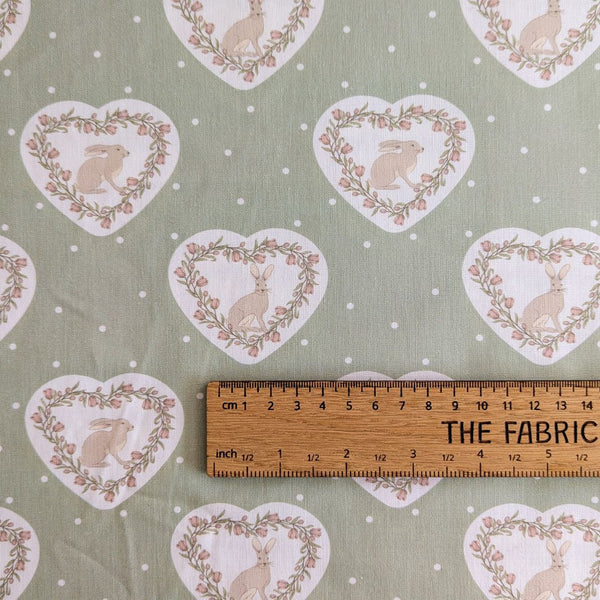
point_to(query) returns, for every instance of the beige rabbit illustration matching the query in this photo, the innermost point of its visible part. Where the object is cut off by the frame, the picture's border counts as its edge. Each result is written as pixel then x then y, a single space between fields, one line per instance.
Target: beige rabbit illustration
pixel 255 578
pixel 252 306
pixel 547 306
pixel 399 160
pixel 541 30
pixel 96 170
pixel 100 444
pixel 550 582
pixel 245 32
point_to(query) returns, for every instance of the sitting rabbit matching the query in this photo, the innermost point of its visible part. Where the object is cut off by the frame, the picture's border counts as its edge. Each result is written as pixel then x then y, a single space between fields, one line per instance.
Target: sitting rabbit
pixel 542 29
pixel 548 583
pixel 245 32
pixel 399 160
pixel 96 170
pixel 99 445
pixel 255 578
pixel 252 306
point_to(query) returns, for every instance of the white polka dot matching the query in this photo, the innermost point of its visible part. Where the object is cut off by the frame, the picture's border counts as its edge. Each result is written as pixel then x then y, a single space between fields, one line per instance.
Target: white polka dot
pixel 468 233
pixel 176 186
pixel 391 48
pixel 51 90
pixel 491 118
pixel 413 236
pixel 200 396
pixel 97 54
pixel 15 405
pixel 145 567
pixel 299 497
pixel 437 567
pixel 297 223
pixel 415 512
pixel 352 580
pixel 77 521
pixel 7 72
pixel 345 84
pixel 4 227
pixel 304 126
pixel 8 500
pixel 304 342
pixel 479 337
pixel 61 582
pixel 132 364
pixel 300 67
pixel 0 448
pixel 598 344
pixel 102 329
pixel 123 513
pixel 12 346
pixel 346 29
pixel 536 199
pixel 74 248
pixel 422 85
pixel 350 306
pixel 142 294
pixel 547 107
pixel 39 206
pixel 348 360
pixel 394 325
pixel 594 223
pixel 174 236
pixel 136 19
pixel 56 364
pixel 179 460
pixel 332 201
pixel 432 14
pixel 477 60
pixel 597 66
pixel 582 170
pixel 524 150
pixel 367 244
pixel 11 132
pixel 240 201
pixel 594 499
pixel 250 109
pixel 186 339
pixel 425 361
pixel 128 90
pixel 285 171
pixel 369 519
pixel 52 35
pixel 195 121
pixel 227 152
pixel 471 183
pixel 180 64
pixel 470 509
pixel 44 479
pixel 177 509
pixel 58 310
pixel 119 240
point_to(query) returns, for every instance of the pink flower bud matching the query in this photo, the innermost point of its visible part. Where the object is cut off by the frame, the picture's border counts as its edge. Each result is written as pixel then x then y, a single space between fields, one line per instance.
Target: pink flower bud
pixel 111 129
pixel 214 303
pixel 588 536
pixel 53 153
pixel 359 171
pixel 217 60
pixel 496 279
pixel 209 28
pixel 570 338
pixel 132 181
pixel 455 156
pixel 506 24
pixel 344 183
pixel 493 314
pixel 182 545
pixel 337 114
pixel 271 61
pixel 325 139
pixel 203 555
pixel 71 448
pixel 109 496
pixel 31 144
pixel 548 352
pixel 179 272
pixel 105 223
pixel 48 393
pixel 406 125
pixel 399 219
pixel 275 336
pixel 194 522
pixel 253 352
pixel 474 270
pixel 490 37
pixel 44 120
pixel 51 187
pixel 249 77
pixel 346 149
pixel 497 556
pixel 293 534
pixel 276 34
pixel 488 522
pixel 576 311
pixel 510 578
pixel 131 481
pixel 546 75
pixel 142 130
pixel 495 590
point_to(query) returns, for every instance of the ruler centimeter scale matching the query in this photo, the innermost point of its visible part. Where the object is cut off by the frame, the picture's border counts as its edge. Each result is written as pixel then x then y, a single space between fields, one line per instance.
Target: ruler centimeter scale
pixel 403 429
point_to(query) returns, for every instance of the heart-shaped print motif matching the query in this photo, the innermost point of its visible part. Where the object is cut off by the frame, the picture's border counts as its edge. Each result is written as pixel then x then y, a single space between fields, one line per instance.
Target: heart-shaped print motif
pixel 104 441
pixel 515 552
pixel 248 296
pixel 396 492
pixel 14 15
pixel 243 42
pixel 100 166
pixel 394 163
pixel 217 549
pixel 17 284
pixel 19 554
pixel 540 294
pixel 539 41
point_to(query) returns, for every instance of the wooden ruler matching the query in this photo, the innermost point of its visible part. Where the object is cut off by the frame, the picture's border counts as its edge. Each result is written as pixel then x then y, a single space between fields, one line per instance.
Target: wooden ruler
pixel 403 429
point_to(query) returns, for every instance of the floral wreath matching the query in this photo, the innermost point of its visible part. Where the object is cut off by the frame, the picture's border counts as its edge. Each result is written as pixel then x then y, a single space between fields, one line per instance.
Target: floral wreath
pixel 63 459
pixel 500 311
pixel 352 180
pixel 191 549
pixel 9 9
pixel 491 558
pixel 201 38
pixel 498 35
pixel 207 305
pixel 17 537
pixel 400 486
pixel 14 290
pixel 58 184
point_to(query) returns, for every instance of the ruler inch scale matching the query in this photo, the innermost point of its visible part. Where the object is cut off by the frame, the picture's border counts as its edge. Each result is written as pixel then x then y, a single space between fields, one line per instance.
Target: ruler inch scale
pixel 401 428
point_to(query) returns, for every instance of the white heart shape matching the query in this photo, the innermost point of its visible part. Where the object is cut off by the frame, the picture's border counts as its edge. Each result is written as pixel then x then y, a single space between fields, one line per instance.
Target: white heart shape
pixel 14 16
pixel 516 300
pixel 372 152
pixel 396 492
pixel 212 279
pixel 214 30
pixel 510 29
pixel 508 552
pixel 103 462
pixel 213 552
pixel 17 284
pixel 73 151
pixel 19 554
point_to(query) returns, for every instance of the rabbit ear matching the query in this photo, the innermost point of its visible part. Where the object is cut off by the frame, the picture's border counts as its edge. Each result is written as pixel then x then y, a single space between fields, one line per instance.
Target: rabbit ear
pixel 271 543
pixel 551 547
pixel 268 272
pixel 100 423
pixel 564 271
pixel 390 145
pixel 256 545
pixel 254 270
pixel 96 149
pixel 564 548
pixel 550 270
